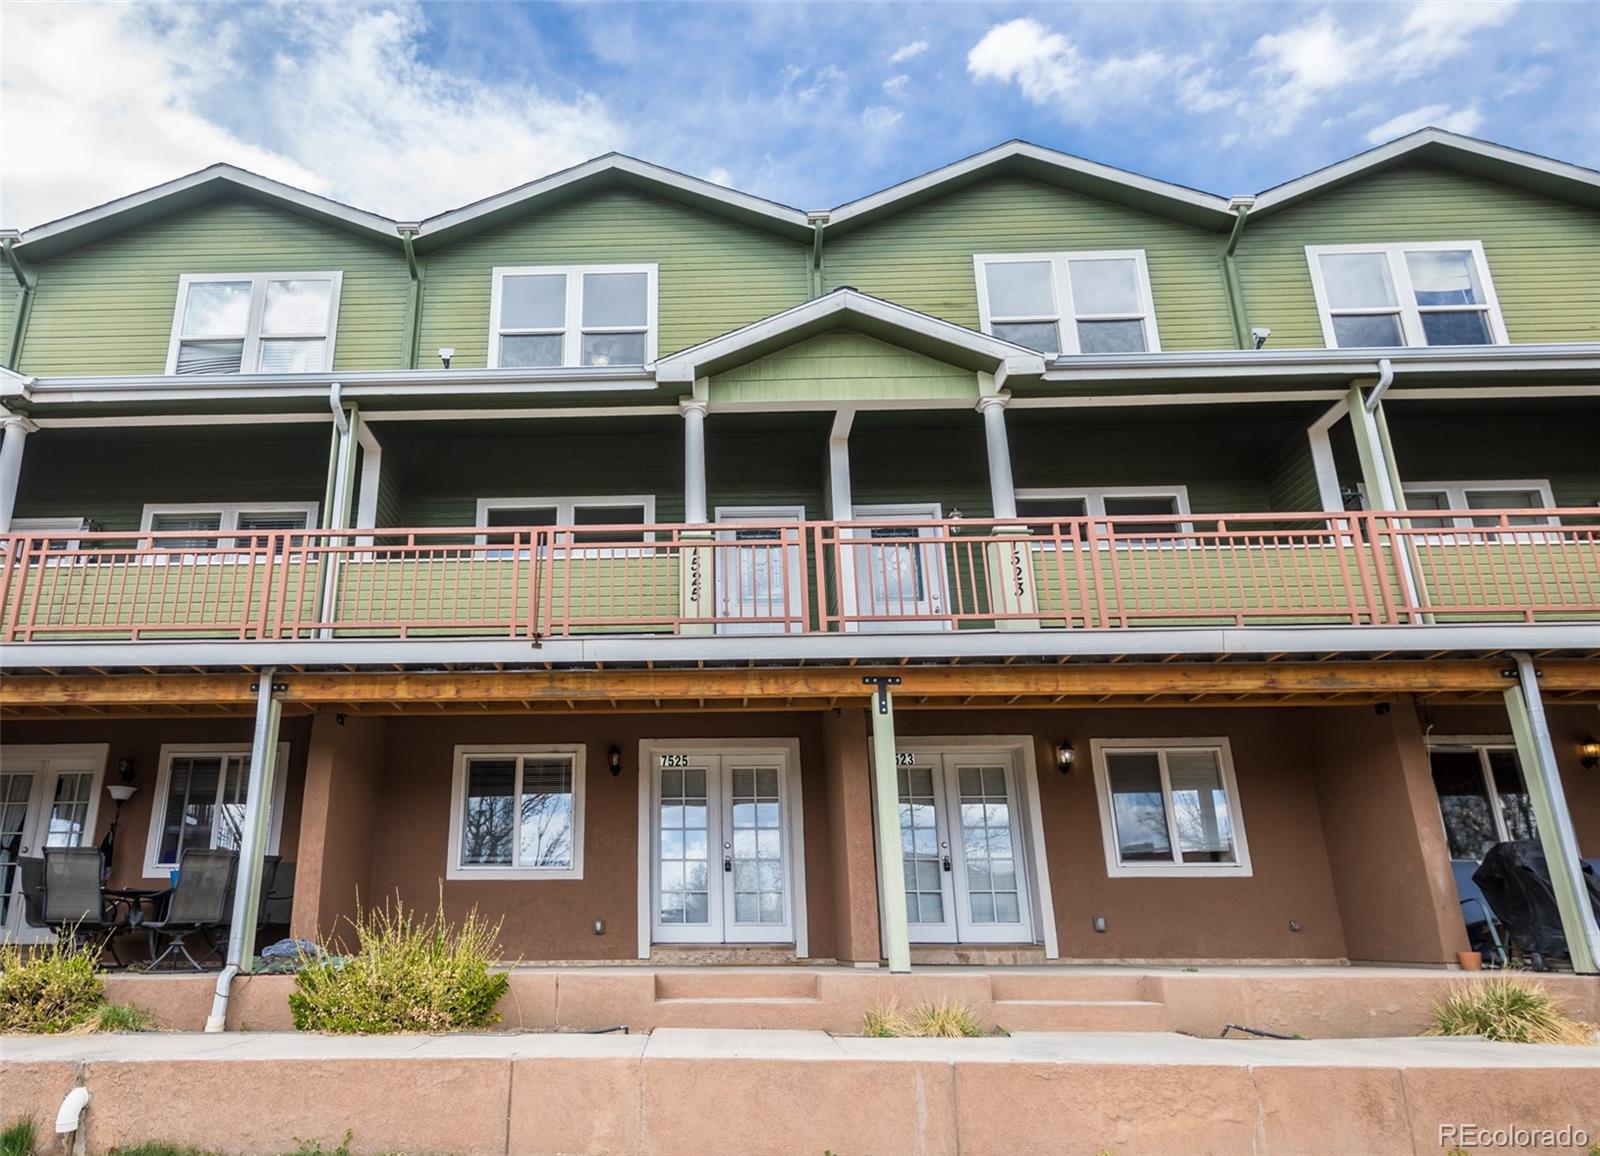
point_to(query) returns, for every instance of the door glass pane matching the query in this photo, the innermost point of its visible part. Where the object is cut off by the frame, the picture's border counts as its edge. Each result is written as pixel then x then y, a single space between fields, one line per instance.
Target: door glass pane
pixel 1444 278
pixel 1357 280
pixel 1105 286
pixel 1138 810
pixel 757 845
pixel 614 300
pixel 1367 330
pixel 486 823
pixel 1111 337
pixel 190 806
pixel 217 309
pixel 546 817
pixel 1516 808
pixel 990 856
pixel 1457 327
pixel 684 863
pixel 1020 289
pixel 1200 807
pixel 897 581
pixel 1463 803
pixel 533 302
pixel 296 308
pixel 919 846
pixel 16 788
pixel 756 586
pixel 69 810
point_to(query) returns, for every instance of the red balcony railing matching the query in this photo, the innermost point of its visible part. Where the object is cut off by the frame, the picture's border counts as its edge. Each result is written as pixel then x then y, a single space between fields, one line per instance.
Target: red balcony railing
pixel 1355 569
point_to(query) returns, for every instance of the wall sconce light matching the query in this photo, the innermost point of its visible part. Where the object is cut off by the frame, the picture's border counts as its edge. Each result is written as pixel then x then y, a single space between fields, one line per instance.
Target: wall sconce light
pixel 1065 757
pixel 446 352
pixel 614 760
pixel 1589 751
pixel 124 771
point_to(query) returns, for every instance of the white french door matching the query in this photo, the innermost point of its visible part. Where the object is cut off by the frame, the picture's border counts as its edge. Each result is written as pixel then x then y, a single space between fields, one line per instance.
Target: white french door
pixel 721 848
pixel 49 797
pixel 760 578
pixel 961 836
pixel 899 576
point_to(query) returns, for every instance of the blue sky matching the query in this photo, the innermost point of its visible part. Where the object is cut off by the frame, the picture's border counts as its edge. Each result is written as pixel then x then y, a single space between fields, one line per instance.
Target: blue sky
pixel 408 109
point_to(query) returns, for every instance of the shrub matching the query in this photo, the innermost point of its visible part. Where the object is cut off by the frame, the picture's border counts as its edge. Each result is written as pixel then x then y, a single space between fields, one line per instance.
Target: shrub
pixel 1510 1010
pixel 48 987
pixel 885 1021
pixel 947 1019
pixel 408 973
pixel 17 1138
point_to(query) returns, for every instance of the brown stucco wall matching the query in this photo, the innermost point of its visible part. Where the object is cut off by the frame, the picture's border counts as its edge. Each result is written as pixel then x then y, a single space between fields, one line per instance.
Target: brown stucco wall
pixel 553 919
pixel 1168 918
pixel 141 740
pixel 1386 845
pixel 847 764
pixel 343 769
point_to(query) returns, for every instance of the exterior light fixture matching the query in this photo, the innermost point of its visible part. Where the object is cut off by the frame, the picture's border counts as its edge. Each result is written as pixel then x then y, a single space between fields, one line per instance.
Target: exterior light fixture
pixel 1259 335
pixel 124 771
pixel 1589 751
pixel 614 760
pixel 446 352
pixel 121 793
pixel 1065 756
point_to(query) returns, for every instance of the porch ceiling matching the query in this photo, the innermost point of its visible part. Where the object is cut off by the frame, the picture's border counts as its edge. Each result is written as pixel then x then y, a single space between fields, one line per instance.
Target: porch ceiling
pixel 767 688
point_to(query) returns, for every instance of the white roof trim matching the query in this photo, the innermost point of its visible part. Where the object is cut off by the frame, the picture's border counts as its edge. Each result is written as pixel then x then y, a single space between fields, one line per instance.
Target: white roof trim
pixel 357 219
pixel 877 202
pixel 684 366
pixel 745 203
pixel 1341 171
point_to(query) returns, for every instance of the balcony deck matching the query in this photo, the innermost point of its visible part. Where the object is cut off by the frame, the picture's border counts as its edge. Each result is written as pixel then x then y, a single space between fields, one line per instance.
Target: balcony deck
pixel 1356 570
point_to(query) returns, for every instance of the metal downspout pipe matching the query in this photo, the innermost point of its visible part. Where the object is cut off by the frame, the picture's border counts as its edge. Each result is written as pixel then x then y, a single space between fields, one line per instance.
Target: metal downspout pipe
pixel 247 881
pixel 408 234
pixel 1241 207
pixel 24 302
pixel 814 273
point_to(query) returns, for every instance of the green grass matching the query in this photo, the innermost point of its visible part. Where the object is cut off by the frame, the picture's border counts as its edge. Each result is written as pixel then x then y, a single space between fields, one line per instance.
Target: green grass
pixel 161 1148
pixel 121 1017
pixel 17 1138
pixel 1509 1010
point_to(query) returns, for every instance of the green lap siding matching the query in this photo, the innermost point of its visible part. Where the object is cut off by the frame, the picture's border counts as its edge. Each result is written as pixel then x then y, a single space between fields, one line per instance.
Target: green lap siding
pixel 1543 254
pixel 715 274
pixel 922 258
pixel 108 307
pixel 844 367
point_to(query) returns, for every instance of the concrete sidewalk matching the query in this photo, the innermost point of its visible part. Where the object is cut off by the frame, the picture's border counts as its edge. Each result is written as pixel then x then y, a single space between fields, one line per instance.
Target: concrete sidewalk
pixel 749 1092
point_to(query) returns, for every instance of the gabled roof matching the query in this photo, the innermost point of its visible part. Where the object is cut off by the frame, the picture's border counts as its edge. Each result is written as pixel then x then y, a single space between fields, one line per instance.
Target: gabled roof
pixel 614 169
pixel 1483 158
pixel 1041 164
pixel 849 309
pixel 136 208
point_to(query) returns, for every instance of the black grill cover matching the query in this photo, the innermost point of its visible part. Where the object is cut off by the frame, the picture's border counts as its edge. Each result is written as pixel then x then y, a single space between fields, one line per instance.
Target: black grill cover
pixel 1515 879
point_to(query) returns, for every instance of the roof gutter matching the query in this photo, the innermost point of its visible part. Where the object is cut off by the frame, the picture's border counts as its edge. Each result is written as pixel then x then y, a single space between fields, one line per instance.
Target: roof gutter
pixel 1241 207
pixel 8 239
pixel 408 234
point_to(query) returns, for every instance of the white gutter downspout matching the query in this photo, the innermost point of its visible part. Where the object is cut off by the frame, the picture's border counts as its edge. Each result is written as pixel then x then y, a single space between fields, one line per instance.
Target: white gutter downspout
pixel 247 881
pixel 338 512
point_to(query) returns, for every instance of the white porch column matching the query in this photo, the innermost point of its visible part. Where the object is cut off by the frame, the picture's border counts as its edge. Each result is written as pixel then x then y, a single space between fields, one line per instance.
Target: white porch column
pixel 1537 754
pixel 253 843
pixel 841 508
pixel 17 429
pixel 370 482
pixel 694 462
pixel 1002 491
pixel 886 798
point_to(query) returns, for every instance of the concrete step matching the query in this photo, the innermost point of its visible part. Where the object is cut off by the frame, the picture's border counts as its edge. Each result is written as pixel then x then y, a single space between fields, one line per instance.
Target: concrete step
pixel 1097 1015
pixel 976 955
pixel 1069 986
pixel 736 987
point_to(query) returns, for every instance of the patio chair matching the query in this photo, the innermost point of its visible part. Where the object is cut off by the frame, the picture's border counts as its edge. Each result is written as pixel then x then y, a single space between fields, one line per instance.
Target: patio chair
pixel 278 909
pixel 31 890
pixel 75 905
pixel 1482 926
pixel 196 906
pixel 269 874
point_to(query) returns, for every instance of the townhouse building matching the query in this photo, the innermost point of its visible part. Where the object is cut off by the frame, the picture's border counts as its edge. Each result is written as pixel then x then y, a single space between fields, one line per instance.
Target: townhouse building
pixel 1030 561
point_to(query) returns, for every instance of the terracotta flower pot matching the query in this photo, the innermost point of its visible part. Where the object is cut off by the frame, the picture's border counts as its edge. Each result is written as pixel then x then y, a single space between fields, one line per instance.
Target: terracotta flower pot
pixel 1469 960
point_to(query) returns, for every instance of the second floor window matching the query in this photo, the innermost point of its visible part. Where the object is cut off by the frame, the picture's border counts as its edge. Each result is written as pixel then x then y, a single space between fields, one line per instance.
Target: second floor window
pixel 253 520
pixel 1068 302
pixel 544 317
pixel 254 323
pixel 1380 296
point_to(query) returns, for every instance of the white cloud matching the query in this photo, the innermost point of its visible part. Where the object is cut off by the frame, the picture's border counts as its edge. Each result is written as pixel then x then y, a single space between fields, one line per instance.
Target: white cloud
pixel 828 78
pixel 1050 70
pixel 143 95
pixel 718 175
pixel 908 51
pixel 1466 120
pixel 881 116
pixel 896 85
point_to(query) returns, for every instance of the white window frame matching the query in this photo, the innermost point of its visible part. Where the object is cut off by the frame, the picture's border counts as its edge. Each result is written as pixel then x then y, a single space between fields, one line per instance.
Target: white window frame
pixel 1067 316
pixel 153 867
pixel 228 512
pixel 572 333
pixel 63 526
pixel 1479 745
pixel 577 752
pixel 1455 493
pixel 1115 867
pixel 1095 504
pixel 251 354
pixel 566 512
pixel 1409 312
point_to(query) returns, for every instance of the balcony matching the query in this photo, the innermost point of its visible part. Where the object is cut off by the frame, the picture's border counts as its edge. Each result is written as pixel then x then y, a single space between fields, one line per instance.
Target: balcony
pixel 806 578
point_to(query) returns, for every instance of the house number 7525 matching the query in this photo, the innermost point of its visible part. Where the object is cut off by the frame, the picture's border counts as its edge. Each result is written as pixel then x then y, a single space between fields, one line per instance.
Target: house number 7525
pixel 674 760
